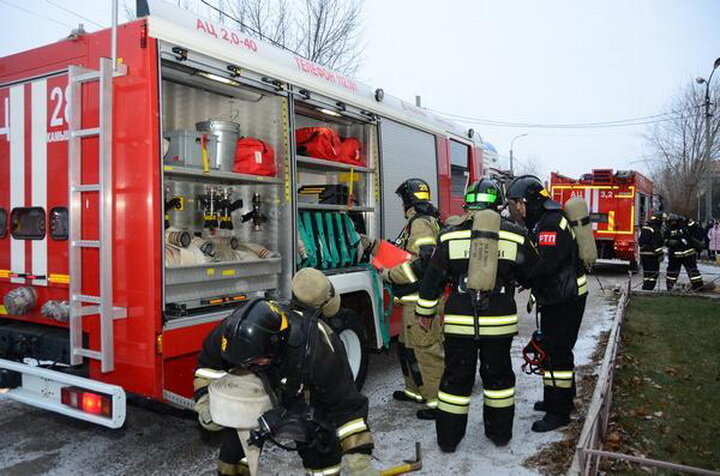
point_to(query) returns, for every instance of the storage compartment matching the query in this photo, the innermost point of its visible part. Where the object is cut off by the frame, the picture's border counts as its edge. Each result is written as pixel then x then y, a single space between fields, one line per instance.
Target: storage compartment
pixel 224 242
pixel 337 183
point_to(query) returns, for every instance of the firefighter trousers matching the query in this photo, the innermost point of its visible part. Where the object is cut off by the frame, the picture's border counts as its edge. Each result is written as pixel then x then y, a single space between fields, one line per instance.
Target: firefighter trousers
pixel 651 271
pixel 498 379
pixel 560 324
pixel 421 357
pixel 231 460
pixel 690 264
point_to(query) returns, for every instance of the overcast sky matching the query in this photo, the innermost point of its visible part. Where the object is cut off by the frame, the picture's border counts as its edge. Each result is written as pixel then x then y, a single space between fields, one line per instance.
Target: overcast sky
pixel 519 61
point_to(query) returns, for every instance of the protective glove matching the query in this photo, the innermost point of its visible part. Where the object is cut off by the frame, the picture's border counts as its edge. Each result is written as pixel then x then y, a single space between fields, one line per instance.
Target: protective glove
pixel 359 464
pixel 202 407
pixel 369 245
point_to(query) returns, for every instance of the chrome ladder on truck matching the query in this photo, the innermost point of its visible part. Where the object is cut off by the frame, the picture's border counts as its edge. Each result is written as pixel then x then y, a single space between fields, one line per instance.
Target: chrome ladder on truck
pixel 82 304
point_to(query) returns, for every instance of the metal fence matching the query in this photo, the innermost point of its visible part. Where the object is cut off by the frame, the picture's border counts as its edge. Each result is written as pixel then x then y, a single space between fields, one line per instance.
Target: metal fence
pixel 589 452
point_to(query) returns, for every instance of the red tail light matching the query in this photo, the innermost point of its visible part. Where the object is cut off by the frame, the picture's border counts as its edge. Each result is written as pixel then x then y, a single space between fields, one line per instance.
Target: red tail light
pixel 86 401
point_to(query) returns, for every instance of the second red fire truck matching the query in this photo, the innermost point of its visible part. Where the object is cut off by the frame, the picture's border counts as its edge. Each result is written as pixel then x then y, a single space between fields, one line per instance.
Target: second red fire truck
pixel 619 202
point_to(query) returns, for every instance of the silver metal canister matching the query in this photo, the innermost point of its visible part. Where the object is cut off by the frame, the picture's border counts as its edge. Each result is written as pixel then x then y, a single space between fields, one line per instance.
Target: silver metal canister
pixel 227 133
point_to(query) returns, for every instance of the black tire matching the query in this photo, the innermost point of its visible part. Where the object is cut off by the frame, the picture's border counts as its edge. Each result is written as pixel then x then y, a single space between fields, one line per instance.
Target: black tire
pixel 352 333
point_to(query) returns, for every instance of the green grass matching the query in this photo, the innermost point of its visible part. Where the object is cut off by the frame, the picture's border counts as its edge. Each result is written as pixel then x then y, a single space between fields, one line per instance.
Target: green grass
pixel 667 390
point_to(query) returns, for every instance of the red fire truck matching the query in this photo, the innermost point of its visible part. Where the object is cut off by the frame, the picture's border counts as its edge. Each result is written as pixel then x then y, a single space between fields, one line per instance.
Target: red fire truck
pixel 619 202
pixel 107 182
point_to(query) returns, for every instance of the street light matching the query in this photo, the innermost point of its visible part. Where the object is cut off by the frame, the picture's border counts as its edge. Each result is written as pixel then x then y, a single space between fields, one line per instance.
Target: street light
pixel 511 149
pixel 708 145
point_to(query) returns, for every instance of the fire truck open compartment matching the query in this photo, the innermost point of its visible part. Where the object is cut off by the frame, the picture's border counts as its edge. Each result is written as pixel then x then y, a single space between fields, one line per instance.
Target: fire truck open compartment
pixel 350 189
pixel 235 271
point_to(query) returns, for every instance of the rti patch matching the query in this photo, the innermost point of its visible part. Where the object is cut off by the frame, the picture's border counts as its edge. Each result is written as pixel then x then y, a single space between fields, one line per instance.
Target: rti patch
pixel 547 238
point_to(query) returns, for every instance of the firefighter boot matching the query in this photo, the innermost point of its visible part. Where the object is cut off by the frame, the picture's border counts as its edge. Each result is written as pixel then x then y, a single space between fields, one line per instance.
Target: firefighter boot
pixel 551 421
pixel 427 413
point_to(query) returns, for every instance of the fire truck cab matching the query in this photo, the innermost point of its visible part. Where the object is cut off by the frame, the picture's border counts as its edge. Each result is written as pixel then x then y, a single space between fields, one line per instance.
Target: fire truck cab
pixel 619 202
pixel 128 230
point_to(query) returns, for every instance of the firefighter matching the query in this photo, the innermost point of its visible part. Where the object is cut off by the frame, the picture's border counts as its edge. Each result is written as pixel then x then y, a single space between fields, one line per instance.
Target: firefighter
pixel 651 250
pixel 473 332
pixel 272 340
pixel 681 252
pixel 420 350
pixel 560 288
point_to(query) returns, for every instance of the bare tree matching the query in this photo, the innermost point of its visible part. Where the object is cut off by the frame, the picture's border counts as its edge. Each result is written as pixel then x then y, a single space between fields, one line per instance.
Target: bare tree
pixel 676 146
pixel 327 32
pixel 530 165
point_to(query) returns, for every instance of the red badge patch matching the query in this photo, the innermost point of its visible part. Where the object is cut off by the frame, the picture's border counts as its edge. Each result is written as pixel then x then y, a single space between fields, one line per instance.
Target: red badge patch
pixel 547 238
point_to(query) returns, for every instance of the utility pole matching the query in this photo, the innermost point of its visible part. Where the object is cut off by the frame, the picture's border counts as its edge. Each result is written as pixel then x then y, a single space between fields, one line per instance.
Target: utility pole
pixel 512 170
pixel 708 144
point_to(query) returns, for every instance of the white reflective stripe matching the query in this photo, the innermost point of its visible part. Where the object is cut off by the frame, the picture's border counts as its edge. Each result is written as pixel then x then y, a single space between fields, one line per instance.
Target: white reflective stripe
pixel 455 319
pixel 427 302
pixel 507 235
pixel 559 374
pixel 414 395
pixel 351 427
pixel 696 278
pixel 508 392
pixel 455 235
pixel 38 153
pixel 507 250
pixel 582 280
pixel 658 250
pixel 483 320
pixel 648 228
pixel 465 330
pixel 408 272
pixel 456 399
pixel 210 374
pixel 17 174
pixel 432 403
pixel 409 298
pixel 425 240
pixel 324 472
pixel 459 249
pixel 563 223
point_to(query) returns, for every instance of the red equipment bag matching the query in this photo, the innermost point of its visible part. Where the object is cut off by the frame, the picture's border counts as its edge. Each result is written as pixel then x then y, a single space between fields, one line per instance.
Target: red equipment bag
pixel 350 151
pixel 318 142
pixel 255 157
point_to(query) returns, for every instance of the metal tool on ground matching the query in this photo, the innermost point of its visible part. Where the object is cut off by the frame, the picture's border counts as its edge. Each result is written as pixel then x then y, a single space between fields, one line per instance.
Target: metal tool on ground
pixel 409 466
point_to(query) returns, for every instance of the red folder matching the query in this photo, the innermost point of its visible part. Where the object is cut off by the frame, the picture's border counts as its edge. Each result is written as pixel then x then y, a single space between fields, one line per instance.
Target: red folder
pixel 388 256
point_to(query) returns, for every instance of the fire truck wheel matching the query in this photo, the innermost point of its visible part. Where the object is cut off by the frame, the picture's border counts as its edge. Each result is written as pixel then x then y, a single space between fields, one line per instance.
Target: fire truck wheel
pixel 352 333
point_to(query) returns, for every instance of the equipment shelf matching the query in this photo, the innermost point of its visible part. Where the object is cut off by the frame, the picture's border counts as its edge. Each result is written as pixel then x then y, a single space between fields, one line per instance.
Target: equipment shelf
pixel 322 164
pixel 333 208
pixel 202 273
pixel 220 176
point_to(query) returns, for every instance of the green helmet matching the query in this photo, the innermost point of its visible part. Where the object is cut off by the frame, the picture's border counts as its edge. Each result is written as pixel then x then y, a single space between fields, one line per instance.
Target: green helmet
pixel 485 193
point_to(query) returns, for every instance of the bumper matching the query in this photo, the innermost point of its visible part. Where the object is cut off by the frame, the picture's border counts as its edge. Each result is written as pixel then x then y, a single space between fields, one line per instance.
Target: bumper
pixel 42 388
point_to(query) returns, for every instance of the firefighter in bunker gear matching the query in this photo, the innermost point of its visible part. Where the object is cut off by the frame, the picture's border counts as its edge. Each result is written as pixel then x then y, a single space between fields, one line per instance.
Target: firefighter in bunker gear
pixel 560 288
pixel 651 250
pixel 472 332
pixel 302 362
pixel 420 351
pixel 681 252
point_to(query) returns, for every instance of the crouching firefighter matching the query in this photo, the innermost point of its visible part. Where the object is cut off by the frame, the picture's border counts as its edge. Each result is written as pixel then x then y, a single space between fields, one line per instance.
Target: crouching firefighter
pixel 651 250
pixel 420 350
pixel 560 288
pixel 681 245
pixel 304 369
pixel 483 257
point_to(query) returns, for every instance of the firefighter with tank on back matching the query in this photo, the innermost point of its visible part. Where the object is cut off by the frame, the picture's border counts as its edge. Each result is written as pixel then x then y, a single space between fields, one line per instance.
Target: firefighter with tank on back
pixel 651 249
pixel 420 350
pixel 304 369
pixel 682 251
pixel 483 257
pixel 559 287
